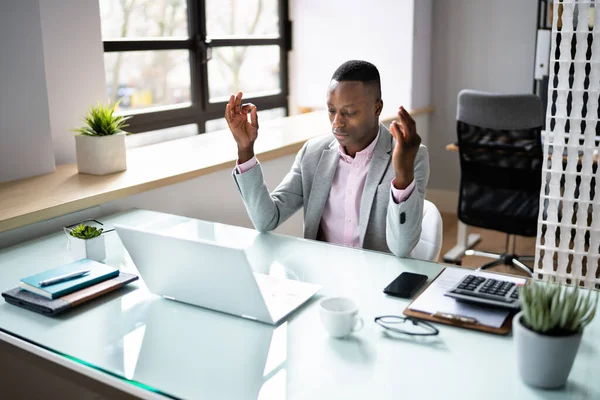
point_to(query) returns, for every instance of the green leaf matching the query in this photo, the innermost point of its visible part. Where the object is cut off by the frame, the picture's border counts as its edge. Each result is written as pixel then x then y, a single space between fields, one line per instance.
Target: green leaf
pixel 82 231
pixel 551 308
pixel 101 121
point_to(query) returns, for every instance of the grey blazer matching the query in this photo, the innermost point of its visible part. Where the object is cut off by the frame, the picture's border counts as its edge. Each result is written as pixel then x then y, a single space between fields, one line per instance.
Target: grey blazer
pixel 384 225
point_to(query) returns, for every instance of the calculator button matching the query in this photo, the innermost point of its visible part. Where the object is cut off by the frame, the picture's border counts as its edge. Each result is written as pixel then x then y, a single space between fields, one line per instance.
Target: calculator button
pixel 486 296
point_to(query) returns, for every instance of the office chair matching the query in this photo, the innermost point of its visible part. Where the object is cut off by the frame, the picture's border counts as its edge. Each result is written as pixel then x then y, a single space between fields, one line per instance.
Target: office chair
pixel 500 147
pixel 430 243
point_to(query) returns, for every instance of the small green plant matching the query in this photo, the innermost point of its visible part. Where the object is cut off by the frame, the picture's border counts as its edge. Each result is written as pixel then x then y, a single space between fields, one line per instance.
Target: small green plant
pixel 555 310
pixel 82 231
pixel 101 121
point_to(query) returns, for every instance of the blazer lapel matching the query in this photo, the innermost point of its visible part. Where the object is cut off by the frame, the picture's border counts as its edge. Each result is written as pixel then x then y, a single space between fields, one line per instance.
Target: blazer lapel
pixel 320 190
pixel 379 165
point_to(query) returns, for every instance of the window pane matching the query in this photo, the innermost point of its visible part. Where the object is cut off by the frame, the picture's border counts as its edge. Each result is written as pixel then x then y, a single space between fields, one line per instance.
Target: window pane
pixel 143 18
pixel 251 70
pixel 266 115
pixel 226 18
pixel 161 135
pixel 143 79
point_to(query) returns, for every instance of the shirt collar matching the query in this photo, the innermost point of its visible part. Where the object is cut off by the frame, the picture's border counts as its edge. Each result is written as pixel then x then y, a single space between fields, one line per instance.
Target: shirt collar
pixel 363 156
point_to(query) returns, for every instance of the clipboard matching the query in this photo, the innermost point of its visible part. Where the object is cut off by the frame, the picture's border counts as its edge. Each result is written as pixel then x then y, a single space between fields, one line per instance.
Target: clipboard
pixel 457 320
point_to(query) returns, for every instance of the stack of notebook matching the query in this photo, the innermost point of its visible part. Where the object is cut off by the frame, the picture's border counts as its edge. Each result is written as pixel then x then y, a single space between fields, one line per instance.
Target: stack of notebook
pixel 59 289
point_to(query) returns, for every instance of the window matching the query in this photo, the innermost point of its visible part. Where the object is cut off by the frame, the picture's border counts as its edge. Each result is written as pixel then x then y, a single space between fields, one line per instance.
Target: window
pixel 175 62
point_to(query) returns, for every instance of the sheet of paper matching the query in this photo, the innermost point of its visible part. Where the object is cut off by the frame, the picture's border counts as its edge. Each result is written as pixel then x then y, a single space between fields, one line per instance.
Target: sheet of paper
pixel 433 299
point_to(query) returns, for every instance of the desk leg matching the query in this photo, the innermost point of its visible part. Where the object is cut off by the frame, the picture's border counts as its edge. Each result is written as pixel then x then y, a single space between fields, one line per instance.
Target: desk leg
pixel 464 241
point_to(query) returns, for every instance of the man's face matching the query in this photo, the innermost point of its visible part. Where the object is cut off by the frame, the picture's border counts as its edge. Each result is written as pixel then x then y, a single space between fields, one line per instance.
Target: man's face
pixel 354 114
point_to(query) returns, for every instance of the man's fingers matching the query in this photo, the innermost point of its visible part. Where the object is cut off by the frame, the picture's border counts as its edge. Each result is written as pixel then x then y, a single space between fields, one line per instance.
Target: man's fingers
pixel 238 102
pixel 402 130
pixel 251 109
pixel 247 107
pixel 229 108
pixel 405 113
pixel 254 116
pixel 405 116
pixel 396 131
pixel 408 124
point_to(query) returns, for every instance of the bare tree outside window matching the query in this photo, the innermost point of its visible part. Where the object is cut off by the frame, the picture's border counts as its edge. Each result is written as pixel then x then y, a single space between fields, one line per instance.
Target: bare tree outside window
pixel 175 62
pixel 236 18
pixel 150 78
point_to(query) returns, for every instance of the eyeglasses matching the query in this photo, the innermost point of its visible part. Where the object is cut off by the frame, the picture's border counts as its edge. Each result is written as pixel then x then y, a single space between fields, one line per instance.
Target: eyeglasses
pixel 406 325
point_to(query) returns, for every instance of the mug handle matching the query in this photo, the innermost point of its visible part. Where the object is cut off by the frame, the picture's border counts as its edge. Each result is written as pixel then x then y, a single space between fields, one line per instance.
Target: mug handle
pixel 358 324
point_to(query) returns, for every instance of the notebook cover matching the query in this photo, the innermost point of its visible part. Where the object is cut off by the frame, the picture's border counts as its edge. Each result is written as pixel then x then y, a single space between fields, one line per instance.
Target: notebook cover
pixel 99 272
pixel 42 305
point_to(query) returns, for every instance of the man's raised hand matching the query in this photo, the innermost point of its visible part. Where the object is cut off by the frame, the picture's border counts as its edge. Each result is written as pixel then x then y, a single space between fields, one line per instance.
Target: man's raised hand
pixel 407 146
pixel 244 132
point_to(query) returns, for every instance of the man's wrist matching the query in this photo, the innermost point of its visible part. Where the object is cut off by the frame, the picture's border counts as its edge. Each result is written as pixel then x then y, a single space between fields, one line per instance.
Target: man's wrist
pixel 402 181
pixel 245 154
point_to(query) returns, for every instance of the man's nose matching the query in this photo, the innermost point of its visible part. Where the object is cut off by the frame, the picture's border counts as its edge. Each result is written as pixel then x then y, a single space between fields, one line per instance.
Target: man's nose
pixel 338 121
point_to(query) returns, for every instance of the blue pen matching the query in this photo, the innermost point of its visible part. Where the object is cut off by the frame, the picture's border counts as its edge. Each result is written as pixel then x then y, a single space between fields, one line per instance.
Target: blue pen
pixel 62 278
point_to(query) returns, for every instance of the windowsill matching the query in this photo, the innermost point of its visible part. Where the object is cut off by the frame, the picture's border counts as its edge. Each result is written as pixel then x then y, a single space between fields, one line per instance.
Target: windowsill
pixel 35 199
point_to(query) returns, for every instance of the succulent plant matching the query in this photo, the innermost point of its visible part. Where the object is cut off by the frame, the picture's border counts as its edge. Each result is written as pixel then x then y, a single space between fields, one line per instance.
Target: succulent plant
pixel 555 310
pixel 101 121
pixel 82 231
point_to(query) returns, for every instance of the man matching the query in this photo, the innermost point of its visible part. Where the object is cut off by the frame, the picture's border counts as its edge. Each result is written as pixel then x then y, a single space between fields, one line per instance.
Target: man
pixel 363 187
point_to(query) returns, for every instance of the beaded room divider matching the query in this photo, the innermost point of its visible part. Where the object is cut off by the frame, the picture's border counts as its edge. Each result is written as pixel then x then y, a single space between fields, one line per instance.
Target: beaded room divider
pixel 568 237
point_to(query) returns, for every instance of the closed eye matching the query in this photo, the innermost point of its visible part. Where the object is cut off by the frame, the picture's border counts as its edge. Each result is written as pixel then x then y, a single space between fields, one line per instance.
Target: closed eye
pixel 344 113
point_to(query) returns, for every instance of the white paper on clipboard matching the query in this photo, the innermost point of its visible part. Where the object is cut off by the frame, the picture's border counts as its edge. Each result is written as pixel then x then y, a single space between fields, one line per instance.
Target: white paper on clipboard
pixel 432 300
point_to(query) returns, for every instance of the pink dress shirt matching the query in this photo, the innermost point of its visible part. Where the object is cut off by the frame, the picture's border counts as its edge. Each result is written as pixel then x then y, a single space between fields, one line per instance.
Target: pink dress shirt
pixel 340 218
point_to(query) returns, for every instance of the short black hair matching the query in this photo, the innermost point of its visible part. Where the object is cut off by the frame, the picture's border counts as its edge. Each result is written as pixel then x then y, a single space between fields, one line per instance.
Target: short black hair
pixel 358 70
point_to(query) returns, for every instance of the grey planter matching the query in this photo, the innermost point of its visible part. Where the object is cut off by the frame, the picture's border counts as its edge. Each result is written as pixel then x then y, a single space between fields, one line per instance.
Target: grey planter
pixel 101 155
pixel 544 361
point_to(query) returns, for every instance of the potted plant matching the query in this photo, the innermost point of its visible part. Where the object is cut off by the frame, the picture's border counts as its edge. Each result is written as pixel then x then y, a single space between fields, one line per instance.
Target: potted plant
pixel 87 242
pixel 548 331
pixel 100 144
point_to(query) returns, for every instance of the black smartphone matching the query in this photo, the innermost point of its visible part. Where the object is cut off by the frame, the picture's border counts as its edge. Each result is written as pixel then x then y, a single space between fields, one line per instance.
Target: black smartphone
pixel 405 285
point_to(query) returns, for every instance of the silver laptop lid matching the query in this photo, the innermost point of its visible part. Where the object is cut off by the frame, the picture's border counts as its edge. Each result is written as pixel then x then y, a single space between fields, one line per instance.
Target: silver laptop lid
pixel 212 275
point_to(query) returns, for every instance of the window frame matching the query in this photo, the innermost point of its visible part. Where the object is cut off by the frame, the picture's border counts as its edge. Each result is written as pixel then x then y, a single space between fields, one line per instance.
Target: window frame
pixel 200 47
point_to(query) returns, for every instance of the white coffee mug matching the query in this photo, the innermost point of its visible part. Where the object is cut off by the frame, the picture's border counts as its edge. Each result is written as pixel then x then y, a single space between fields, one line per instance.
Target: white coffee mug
pixel 339 316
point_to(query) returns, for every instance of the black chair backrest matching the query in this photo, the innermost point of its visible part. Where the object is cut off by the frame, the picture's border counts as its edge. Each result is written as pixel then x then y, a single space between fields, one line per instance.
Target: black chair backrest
pixel 500 146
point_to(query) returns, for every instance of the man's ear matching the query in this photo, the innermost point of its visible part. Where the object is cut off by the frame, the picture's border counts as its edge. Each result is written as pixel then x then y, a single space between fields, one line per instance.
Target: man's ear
pixel 378 107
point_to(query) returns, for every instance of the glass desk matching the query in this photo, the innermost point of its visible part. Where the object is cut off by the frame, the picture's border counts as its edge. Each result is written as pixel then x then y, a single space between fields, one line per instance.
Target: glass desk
pixel 157 348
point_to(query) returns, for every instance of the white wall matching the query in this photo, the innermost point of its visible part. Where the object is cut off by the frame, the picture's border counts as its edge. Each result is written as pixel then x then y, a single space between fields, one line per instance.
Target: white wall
pixel 74 65
pixel 25 141
pixel 327 33
pixel 51 71
pixel 420 90
pixel 483 45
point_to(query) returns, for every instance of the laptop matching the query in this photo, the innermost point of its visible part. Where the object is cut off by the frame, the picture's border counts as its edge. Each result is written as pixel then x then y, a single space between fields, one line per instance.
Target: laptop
pixel 212 275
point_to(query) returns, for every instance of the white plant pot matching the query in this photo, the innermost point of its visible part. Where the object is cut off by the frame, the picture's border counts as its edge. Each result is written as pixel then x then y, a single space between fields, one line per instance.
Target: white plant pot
pixel 101 155
pixel 94 248
pixel 544 361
